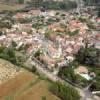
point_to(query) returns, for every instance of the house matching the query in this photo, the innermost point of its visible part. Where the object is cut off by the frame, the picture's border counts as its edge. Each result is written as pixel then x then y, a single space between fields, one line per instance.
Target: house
pixel 21 16
pixel 97 36
pixel 83 71
pixel 74 25
pixel 53 51
pixel 97 45
pixel 34 12
pixel 69 59
pixel 23 27
pixel 50 63
pixel 69 49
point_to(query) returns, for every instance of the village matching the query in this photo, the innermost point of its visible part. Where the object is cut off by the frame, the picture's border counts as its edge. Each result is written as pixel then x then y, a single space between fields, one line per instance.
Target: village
pixel 52 37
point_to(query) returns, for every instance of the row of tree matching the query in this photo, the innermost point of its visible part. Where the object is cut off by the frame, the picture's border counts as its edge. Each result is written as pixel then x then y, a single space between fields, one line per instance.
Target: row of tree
pixel 64 92
pixel 51 4
pixel 91 2
pixel 14 1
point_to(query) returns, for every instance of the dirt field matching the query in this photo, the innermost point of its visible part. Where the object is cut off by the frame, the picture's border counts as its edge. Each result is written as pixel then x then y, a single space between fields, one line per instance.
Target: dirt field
pixel 37 92
pixel 13 85
pixel 25 86
pixel 10 7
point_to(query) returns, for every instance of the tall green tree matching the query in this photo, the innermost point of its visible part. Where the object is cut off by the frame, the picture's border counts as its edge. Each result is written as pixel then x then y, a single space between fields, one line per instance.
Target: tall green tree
pixel 88 55
pixel 67 72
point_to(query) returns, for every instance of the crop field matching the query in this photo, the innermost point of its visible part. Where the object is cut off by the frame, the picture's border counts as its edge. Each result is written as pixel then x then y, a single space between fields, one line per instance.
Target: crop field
pixel 26 86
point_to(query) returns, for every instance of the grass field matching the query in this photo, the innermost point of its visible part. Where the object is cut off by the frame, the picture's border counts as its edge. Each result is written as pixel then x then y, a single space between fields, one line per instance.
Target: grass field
pixel 26 86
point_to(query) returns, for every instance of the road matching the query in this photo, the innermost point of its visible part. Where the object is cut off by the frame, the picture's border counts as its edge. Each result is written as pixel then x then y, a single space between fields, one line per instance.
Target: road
pixel 85 94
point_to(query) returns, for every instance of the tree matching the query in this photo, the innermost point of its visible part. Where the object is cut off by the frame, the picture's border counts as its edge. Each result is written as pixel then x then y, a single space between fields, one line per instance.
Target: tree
pixel 63 5
pixel 83 52
pixel 1 33
pixel 67 73
pixel 98 12
pixel 8 54
pixel 88 55
pixel 37 3
pixel 14 44
pixel 52 4
pixel 20 1
pixel 37 53
pixel 2 49
pixel 91 2
pixel 64 92
pixel 11 54
pixel 34 69
pixel 5 25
